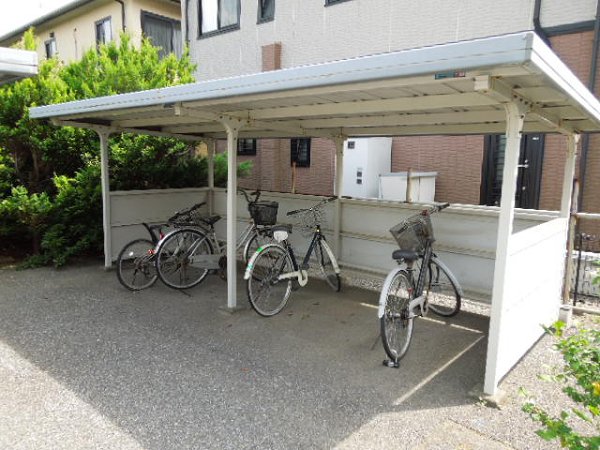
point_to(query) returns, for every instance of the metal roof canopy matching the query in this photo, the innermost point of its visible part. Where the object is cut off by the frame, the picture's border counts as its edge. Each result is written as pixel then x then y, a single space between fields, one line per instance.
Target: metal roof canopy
pixel 16 64
pixel 456 88
pixel 504 84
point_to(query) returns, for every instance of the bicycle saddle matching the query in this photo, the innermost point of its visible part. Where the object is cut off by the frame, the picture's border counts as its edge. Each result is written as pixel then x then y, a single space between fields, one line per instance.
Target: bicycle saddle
pixel 406 255
pixel 287 228
pixel 211 220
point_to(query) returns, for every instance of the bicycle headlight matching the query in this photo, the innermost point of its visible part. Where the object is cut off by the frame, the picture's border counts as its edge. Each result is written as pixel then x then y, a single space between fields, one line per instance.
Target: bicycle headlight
pixel 280 235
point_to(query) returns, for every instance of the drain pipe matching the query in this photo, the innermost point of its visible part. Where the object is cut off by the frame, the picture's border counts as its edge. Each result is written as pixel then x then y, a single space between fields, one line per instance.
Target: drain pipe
pixel 123 27
pixel 537 25
pixel 585 142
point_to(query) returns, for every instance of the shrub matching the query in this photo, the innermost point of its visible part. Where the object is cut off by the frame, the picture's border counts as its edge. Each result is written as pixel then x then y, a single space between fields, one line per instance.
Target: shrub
pixel 580 378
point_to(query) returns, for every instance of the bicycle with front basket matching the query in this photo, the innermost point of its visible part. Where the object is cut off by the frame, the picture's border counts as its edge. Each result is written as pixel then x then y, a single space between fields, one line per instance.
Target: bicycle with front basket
pixel 403 298
pixel 187 255
pixel 273 271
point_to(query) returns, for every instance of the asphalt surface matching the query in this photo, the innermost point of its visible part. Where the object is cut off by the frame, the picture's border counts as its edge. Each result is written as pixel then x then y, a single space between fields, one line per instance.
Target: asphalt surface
pixel 85 363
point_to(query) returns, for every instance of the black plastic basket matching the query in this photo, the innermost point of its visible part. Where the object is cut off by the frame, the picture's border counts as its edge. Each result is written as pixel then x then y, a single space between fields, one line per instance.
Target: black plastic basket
pixel 264 213
pixel 413 233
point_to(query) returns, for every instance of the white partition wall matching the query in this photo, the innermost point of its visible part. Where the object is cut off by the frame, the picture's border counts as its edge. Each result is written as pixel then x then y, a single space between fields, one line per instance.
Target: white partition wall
pixel 129 209
pixel 534 281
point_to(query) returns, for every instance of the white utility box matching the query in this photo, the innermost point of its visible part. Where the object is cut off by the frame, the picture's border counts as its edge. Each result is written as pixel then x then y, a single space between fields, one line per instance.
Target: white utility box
pixel 365 159
pixel 393 186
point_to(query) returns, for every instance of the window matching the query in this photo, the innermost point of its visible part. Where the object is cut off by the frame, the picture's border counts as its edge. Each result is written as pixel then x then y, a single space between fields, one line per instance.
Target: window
pixel 246 147
pixel 266 10
pixel 218 15
pixel 163 32
pixel 103 31
pixel 50 46
pixel 300 153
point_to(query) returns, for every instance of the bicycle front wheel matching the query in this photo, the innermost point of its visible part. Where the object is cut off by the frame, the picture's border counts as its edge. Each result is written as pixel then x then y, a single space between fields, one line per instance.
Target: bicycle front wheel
pixel 135 265
pixel 396 322
pixel 325 257
pixel 443 296
pixel 267 293
pixel 179 259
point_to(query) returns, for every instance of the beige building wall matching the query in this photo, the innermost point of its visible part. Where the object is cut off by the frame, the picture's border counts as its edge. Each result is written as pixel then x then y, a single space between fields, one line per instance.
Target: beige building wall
pixel 75 31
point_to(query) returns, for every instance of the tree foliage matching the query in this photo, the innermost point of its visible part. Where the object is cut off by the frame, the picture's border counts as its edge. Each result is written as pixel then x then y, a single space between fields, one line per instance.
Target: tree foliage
pixel 49 176
pixel 580 378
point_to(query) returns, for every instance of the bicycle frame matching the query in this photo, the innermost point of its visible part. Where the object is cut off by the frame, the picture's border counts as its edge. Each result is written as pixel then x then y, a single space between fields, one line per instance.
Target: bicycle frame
pixel 301 271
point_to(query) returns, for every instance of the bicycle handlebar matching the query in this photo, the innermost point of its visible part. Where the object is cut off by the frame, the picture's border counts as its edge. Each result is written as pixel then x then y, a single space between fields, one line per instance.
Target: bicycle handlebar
pixel 435 208
pixel 256 195
pixel 185 211
pixel 312 208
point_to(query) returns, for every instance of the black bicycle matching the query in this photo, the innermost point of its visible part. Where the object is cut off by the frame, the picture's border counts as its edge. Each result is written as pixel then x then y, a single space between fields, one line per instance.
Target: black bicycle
pixel 402 299
pixel 273 271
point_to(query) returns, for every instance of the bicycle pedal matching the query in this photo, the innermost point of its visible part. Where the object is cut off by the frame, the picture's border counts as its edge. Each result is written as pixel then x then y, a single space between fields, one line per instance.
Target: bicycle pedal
pixel 391 364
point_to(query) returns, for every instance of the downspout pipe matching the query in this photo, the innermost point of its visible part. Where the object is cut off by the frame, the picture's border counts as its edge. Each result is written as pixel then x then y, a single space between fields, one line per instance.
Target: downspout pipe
pixel 187 22
pixel 585 141
pixel 123 27
pixel 537 25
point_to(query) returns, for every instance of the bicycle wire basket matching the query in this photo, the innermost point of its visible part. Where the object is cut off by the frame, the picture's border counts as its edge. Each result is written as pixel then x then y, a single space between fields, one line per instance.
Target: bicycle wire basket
pixel 263 213
pixel 308 220
pixel 413 233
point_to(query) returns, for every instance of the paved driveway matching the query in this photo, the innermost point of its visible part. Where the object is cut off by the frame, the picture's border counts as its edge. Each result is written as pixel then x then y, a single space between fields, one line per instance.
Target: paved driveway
pixel 85 363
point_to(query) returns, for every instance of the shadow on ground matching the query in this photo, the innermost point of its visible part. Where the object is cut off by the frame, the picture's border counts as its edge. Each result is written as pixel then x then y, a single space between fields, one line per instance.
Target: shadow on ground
pixel 177 371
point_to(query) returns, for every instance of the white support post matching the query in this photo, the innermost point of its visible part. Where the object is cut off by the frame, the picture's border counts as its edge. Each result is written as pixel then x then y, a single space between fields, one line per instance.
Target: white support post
pixel 339 184
pixel 232 127
pixel 210 145
pixel 515 114
pixel 104 177
pixel 567 189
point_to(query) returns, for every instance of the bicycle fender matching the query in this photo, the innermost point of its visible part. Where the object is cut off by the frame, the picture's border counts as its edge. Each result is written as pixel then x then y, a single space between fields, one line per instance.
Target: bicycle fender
pixel 443 265
pixel 384 290
pixel 250 265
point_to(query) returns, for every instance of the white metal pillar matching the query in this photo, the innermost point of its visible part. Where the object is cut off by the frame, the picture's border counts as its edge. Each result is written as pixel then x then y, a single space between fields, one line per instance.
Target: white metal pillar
pixel 339 184
pixel 515 114
pixel 232 127
pixel 210 145
pixel 104 177
pixel 567 189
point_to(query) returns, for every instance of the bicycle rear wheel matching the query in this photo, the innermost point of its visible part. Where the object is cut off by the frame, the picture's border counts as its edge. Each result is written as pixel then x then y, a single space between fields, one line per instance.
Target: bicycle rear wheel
pixel 135 265
pixel 267 294
pixel 325 258
pixel 443 296
pixel 257 241
pixel 179 258
pixel 396 323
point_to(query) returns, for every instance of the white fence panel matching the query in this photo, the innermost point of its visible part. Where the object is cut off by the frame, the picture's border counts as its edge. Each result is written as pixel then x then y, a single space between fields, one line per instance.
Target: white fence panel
pixel 534 279
pixel 129 209
pixel 466 235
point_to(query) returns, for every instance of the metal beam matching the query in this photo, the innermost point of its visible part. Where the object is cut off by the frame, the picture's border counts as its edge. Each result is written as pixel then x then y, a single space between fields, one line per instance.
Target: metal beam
pixel 105 186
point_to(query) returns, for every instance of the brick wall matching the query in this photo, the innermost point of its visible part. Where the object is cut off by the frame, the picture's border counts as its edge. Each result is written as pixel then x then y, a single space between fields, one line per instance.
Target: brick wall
pixel 456 159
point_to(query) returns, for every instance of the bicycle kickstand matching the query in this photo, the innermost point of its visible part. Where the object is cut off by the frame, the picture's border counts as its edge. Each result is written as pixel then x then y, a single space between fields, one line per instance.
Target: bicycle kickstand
pixel 394 364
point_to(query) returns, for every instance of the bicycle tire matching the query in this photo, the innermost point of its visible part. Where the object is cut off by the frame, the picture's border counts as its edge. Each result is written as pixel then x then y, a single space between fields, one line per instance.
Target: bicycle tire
pixel 135 265
pixel 443 296
pixel 174 258
pixel 268 295
pixel 395 322
pixel 256 241
pixel 325 257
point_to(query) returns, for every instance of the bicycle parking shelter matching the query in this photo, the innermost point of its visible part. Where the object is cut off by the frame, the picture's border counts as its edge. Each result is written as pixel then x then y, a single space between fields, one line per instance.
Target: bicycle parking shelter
pixel 505 84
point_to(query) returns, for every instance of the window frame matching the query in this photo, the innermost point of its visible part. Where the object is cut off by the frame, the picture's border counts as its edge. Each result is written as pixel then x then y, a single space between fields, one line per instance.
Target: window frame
pixel 245 152
pixel 294 153
pixel 334 2
pixel 99 22
pixel 144 14
pixel 261 18
pixel 219 30
pixel 46 43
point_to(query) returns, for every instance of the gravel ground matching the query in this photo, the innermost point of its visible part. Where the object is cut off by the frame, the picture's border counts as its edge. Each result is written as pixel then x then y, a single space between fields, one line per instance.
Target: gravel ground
pixel 87 364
